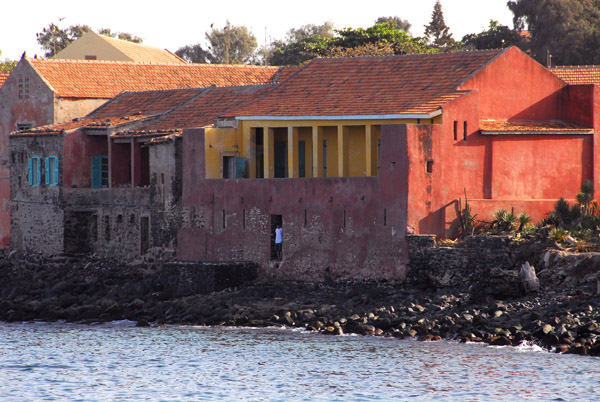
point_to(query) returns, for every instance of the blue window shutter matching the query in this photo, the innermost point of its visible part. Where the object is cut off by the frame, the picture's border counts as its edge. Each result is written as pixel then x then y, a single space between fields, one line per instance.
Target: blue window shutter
pixel 55 171
pixel 240 168
pixel 34 171
pixel 30 171
pixel 38 178
pixel 47 167
pixel 97 171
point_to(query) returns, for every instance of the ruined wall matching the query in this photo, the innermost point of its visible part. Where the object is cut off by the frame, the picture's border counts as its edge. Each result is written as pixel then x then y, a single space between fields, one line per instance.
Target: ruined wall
pixel 342 228
pixel 166 187
pixel 37 210
pixel 119 215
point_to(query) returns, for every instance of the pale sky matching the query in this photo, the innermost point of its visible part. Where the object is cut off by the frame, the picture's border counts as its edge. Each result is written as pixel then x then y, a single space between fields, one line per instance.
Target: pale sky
pixel 171 24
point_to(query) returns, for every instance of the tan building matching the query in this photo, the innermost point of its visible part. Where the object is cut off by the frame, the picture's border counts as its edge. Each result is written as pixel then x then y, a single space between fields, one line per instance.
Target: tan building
pixel 93 46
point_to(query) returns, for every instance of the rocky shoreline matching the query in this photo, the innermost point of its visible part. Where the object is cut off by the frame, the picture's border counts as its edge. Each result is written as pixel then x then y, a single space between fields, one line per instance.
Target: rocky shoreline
pixel 562 317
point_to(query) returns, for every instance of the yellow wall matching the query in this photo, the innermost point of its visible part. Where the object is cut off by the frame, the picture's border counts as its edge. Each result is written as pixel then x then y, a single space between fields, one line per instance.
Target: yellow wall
pixel 219 142
pixel 357 136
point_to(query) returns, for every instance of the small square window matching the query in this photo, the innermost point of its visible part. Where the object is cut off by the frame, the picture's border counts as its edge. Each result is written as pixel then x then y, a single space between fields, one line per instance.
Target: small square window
pixel 429 166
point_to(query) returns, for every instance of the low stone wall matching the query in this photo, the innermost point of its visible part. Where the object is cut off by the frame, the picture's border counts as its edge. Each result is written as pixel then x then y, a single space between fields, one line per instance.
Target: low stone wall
pixel 491 265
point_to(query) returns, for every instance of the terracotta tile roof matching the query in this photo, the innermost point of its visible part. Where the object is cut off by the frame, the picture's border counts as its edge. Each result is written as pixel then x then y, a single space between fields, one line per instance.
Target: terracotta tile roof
pixel 371 86
pixel 3 77
pixel 499 127
pixel 97 123
pixel 207 106
pixel 106 79
pixel 578 75
pixel 147 103
pixel 142 53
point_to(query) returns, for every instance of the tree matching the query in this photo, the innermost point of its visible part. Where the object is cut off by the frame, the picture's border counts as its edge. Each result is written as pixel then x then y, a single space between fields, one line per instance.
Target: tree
pixel 496 37
pixel 195 54
pixel 397 23
pixel 437 32
pixel 53 39
pixel 232 44
pixel 300 45
pixel 120 35
pixel 7 65
pixel 379 36
pixel 568 30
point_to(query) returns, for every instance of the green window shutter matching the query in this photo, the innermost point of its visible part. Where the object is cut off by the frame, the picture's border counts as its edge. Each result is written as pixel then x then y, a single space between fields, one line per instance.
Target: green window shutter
pixel 97 171
pixel 240 168
pixel 301 158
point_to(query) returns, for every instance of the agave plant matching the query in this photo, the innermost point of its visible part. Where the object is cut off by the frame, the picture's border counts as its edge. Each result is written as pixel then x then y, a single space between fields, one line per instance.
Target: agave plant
pixel 505 221
pixel 523 219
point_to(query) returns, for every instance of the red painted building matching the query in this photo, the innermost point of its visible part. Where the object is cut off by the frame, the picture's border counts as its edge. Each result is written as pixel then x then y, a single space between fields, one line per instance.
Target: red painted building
pixel 494 125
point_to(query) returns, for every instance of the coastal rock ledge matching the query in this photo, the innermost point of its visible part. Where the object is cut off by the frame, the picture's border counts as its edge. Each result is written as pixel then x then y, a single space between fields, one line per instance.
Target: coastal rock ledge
pixel 474 291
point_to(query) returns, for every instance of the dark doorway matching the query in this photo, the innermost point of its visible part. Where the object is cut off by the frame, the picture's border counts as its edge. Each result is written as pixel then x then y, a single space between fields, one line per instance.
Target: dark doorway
pixel 260 156
pixel 144 234
pixel 81 231
pixel 229 167
pixel 275 220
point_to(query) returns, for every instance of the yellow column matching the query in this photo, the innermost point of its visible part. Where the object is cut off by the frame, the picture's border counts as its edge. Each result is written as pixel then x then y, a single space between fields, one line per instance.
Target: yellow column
pixel 368 150
pixel 268 150
pixel 340 150
pixel 293 152
pixel 317 151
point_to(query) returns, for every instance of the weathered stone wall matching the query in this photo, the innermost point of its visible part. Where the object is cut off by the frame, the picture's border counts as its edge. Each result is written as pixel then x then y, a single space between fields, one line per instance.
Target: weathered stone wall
pixel 37 210
pixel 165 187
pixel 491 266
pixel 120 214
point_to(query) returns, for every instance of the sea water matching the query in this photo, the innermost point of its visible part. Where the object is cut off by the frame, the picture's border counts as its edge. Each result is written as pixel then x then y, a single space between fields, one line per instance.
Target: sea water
pixel 119 362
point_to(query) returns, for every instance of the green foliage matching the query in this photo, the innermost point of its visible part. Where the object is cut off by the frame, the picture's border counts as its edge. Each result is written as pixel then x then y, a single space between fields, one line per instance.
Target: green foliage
pixel 568 30
pixel 562 213
pixel 524 220
pixel 7 66
pixel 383 34
pixel 504 221
pixel 195 54
pixel 496 37
pixel 437 32
pixel 466 218
pixel 397 23
pixel 231 45
pixel 120 35
pixel 586 196
pixel 559 234
pixel 297 52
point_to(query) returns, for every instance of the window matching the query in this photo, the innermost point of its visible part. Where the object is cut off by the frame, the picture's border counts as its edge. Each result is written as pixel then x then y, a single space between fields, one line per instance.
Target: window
pixel 99 171
pixel 429 166
pixel 51 165
pixel 455 130
pixel 91 57
pixel 465 130
pixel 35 173
pixel 24 126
